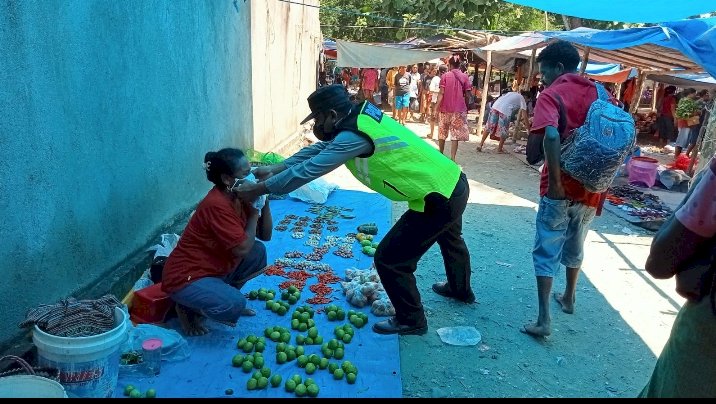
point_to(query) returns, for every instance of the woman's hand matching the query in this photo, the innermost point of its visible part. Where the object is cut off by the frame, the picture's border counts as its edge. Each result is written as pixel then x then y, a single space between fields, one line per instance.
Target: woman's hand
pixel 263 173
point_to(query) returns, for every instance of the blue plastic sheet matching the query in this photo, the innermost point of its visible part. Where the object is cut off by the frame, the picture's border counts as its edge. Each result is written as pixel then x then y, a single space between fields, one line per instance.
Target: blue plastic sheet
pixel 635 11
pixel 208 371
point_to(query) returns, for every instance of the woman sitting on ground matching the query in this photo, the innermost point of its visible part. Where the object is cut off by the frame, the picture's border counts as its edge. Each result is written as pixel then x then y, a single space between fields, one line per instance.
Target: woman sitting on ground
pixel 218 251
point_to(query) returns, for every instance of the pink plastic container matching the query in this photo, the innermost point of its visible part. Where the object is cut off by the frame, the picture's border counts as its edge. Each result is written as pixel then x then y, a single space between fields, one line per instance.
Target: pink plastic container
pixel 642 171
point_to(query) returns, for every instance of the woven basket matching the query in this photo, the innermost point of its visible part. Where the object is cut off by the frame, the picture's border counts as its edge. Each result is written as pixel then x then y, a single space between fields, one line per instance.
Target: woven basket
pixel 25 369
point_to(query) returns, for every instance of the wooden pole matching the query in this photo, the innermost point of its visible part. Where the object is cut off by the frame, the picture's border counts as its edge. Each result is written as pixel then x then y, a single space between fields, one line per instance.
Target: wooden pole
pixel 707 141
pixel 641 82
pixel 655 91
pixel 618 91
pixel 485 89
pixel 586 60
pixel 532 69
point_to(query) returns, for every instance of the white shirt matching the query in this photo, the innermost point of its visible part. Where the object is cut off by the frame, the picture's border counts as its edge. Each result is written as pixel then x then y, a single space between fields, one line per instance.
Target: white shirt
pixel 435 88
pixel 414 79
pixel 509 103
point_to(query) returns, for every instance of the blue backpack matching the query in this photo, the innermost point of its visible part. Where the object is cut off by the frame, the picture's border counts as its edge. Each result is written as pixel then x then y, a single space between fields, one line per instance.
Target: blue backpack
pixel 596 150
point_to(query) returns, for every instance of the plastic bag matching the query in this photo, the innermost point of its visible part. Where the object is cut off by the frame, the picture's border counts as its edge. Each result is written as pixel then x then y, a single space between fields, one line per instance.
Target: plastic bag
pixel 169 241
pixel 316 191
pixel 263 158
pixel 174 346
pixel 261 200
pixel 460 335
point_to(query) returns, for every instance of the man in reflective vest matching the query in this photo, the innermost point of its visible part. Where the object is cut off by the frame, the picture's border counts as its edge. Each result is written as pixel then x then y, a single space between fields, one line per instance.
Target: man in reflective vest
pixel 393 161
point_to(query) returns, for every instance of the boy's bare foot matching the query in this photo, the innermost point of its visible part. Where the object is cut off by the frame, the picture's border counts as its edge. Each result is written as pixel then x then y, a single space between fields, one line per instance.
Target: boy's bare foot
pixel 536 330
pixel 191 322
pixel 567 307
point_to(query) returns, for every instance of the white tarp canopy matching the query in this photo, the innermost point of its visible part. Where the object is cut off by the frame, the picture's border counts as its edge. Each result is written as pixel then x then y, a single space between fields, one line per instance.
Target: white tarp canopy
pixel 352 54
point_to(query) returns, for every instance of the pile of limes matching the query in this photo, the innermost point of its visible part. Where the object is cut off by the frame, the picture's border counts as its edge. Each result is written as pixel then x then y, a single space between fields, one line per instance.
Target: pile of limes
pixel 367 244
pixel 287 353
pixel 292 295
pixel 252 343
pixel 344 333
pixel 248 362
pixel 357 318
pixel 335 313
pixel 300 387
pixel 278 334
pixel 133 392
pixel 311 338
pixel 302 319
pixel 333 349
pixel 262 294
pixel 278 307
pixel 260 380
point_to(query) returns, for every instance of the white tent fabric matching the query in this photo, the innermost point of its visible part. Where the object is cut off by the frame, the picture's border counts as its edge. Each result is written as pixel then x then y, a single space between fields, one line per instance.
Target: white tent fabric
pixel 634 11
pixel 352 54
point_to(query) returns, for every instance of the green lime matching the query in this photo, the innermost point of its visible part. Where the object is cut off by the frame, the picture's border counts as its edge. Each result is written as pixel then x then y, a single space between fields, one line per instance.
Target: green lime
pixel 247 366
pixel 348 329
pixel 229 392
pixel 351 312
pixel 301 390
pixel 257 375
pixel 259 362
pixel 338 353
pixel 281 357
pixel 252 383
pixel 241 344
pixel 268 331
pixel 252 339
pixel 352 318
pixel 300 339
pixel 295 323
pixel 302 327
pixel 128 389
pixel 309 381
pixel 263 290
pixel 269 304
pixel 318 340
pixel 263 383
pixel 347 338
pixel 311 323
pixel 135 393
pixel 275 336
pixel 310 368
pixel 312 390
pixel 332 316
pixel 333 344
pixel 275 307
pixel 266 372
pixel 292 289
pixel 292 299
pixel 351 378
pixel 297 379
pixel 253 295
pixel 281 347
pixel 299 350
pixel 270 296
pixel 359 322
pixel 275 380
pixel 291 355
pixel 340 333
pixel 302 361
pixel 346 365
pixel 296 315
pixel 328 353
pixel 338 374
pixel 323 363
pixel 285 337
pixel 290 386
pixel 237 360
pixel 304 317
pixel 308 341
pixel 248 347
pixel 151 393
pixel 281 311
pixel 313 332
pixel 260 347
pixel 340 315
pixel 285 295
pixel 332 367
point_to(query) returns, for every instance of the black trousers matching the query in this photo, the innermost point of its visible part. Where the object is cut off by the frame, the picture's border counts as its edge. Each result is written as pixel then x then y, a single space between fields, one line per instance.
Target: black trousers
pixel 397 256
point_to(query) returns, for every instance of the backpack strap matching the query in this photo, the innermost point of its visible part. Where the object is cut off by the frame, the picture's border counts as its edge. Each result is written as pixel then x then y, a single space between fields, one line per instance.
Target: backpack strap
pixel 602 92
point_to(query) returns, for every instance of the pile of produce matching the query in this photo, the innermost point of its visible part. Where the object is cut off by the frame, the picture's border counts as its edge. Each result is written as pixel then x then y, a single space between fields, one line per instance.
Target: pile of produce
pixel 364 288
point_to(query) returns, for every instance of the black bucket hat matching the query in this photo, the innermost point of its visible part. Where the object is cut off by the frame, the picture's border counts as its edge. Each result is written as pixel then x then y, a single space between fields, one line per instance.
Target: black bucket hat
pixel 326 98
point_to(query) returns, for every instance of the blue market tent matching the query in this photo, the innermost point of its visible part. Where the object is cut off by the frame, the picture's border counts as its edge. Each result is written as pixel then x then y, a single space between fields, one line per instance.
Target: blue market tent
pixel 634 11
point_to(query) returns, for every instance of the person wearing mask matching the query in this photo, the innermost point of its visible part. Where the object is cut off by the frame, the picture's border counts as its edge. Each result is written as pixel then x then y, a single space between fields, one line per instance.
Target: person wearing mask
pixel 218 251
pixel 452 104
pixel 393 161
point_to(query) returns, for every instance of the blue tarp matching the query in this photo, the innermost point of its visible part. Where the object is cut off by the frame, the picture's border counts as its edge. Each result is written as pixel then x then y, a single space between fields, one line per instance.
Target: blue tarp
pixel 208 371
pixel 606 69
pixel 634 11
pixel 696 39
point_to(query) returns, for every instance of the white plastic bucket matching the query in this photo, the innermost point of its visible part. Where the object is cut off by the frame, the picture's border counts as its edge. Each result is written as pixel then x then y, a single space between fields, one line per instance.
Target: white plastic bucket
pixel 89 366
pixel 28 386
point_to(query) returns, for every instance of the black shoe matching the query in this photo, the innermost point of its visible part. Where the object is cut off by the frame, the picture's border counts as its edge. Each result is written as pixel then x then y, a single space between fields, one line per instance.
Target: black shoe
pixel 443 289
pixel 391 326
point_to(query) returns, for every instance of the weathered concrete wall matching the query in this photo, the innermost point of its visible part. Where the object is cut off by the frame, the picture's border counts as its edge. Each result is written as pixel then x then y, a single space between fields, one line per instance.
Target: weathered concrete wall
pixel 106 111
pixel 286 39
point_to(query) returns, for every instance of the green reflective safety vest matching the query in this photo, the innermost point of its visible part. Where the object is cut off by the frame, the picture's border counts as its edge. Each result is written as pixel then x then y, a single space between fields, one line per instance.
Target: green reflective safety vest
pixel 403 166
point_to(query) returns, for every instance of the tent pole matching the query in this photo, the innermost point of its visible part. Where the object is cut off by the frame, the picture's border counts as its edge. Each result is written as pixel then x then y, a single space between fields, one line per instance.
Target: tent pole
pixel 532 69
pixel 641 82
pixel 586 60
pixel 618 91
pixel 485 89
pixel 657 88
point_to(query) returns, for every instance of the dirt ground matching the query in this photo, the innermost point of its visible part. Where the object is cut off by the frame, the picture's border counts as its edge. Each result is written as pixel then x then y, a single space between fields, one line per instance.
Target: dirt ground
pixel 607 348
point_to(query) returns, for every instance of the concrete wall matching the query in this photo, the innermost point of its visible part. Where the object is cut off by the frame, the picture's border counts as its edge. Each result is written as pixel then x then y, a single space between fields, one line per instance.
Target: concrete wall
pixel 106 111
pixel 286 40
